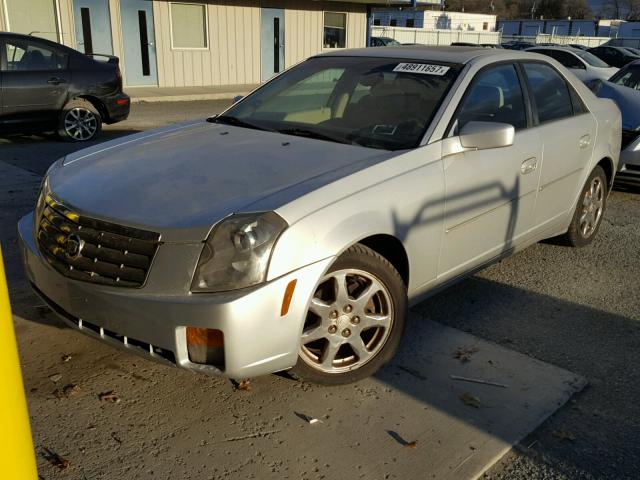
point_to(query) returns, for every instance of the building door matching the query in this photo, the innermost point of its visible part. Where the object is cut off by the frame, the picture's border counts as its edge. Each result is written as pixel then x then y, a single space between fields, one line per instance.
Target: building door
pixel 93 26
pixel 138 42
pixel 272 42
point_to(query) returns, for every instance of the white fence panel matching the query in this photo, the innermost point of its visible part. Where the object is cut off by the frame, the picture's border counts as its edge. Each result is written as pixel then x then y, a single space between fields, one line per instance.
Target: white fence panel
pixel 434 37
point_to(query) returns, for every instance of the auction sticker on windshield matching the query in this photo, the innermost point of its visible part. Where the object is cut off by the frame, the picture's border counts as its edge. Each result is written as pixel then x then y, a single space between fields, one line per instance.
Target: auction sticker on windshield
pixel 423 68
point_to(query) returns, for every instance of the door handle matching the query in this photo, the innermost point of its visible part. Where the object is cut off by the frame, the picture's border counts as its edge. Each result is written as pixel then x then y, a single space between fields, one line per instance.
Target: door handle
pixel 529 165
pixel 56 81
pixel 584 141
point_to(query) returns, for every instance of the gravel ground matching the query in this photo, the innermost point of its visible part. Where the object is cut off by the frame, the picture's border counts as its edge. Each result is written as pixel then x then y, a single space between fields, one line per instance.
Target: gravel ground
pixel 574 308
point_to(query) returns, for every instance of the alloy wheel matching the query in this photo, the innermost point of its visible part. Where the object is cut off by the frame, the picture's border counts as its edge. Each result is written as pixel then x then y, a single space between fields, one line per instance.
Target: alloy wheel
pixel 80 123
pixel 592 208
pixel 349 320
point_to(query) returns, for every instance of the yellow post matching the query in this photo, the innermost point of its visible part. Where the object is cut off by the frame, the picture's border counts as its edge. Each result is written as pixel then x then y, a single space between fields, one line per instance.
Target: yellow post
pixel 15 433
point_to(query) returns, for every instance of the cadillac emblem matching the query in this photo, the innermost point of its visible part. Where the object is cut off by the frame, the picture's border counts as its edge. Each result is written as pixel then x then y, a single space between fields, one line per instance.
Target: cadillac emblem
pixel 73 247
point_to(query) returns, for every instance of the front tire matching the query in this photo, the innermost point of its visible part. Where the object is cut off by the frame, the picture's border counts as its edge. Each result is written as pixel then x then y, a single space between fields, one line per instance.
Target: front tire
pixel 355 320
pixel 589 211
pixel 79 121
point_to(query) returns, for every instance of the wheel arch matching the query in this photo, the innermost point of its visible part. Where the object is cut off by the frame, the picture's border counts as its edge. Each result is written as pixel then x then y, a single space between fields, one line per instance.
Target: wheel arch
pixel 609 170
pixel 97 104
pixel 393 250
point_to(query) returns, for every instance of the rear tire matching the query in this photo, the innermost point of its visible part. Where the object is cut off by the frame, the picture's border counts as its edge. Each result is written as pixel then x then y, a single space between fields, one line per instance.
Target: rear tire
pixel 355 321
pixel 589 211
pixel 79 121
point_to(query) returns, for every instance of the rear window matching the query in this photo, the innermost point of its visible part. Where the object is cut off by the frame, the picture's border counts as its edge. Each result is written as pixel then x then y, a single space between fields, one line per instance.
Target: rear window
pixel 591 59
pixel 550 92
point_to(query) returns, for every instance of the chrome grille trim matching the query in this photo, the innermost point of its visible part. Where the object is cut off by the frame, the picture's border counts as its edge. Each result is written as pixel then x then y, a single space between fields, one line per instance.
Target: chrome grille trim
pixel 92 250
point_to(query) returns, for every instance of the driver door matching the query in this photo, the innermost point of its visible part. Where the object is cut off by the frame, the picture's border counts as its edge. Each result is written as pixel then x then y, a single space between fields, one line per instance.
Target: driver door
pixel 490 194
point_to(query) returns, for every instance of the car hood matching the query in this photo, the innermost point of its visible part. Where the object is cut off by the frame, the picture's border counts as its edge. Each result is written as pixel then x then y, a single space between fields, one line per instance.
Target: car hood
pixel 627 99
pixel 181 180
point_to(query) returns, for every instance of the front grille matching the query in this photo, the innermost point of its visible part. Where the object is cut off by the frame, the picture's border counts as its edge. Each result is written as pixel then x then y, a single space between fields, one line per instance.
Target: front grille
pixel 93 250
pixel 628 136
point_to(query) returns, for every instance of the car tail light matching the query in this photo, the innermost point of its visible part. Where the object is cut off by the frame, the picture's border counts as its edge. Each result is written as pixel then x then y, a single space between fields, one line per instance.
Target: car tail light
pixel 205 346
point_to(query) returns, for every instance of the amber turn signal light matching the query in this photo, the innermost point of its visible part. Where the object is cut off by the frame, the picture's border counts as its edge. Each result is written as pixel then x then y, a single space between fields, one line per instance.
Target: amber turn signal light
pixel 288 295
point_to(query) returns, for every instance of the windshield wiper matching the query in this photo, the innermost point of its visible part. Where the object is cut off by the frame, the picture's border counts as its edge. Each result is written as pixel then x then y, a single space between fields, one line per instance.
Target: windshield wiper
pixel 236 122
pixel 303 132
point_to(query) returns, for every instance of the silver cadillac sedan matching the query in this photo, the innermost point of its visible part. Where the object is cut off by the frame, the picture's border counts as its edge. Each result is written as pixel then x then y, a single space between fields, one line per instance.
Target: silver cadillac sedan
pixel 293 230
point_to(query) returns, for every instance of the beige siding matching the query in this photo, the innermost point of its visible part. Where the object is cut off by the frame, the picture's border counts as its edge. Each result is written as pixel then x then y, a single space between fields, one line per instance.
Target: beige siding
pixel 66 25
pixel 231 56
pixel 234 47
pixel 3 27
pixel 304 26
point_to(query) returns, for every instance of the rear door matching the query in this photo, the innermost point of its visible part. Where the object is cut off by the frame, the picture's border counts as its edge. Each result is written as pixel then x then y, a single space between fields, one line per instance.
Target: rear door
pixel 35 80
pixel 567 132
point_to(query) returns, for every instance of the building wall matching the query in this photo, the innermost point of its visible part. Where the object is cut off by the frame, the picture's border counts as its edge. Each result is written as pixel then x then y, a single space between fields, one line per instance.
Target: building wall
pixel 233 54
pixel 473 22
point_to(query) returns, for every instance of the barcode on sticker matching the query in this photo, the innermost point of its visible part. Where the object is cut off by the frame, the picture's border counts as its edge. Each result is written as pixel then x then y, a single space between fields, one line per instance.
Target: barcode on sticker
pixel 423 68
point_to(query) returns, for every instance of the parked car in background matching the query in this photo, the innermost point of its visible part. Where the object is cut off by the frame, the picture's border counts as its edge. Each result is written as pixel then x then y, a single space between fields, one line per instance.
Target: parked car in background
pixel 464 44
pixel 614 56
pixel 47 86
pixel 624 89
pixel 383 42
pixel 491 45
pixel 517 45
pixel 634 51
pixel 578 46
pixel 284 234
pixel 584 65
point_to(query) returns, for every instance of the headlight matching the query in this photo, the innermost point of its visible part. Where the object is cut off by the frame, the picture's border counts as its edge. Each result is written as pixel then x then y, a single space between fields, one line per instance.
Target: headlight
pixel 237 252
pixel 44 191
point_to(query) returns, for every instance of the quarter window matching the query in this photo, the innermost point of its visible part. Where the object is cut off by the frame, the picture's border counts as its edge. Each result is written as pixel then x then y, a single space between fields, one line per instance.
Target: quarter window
pixel 29 57
pixel 335 30
pixel 188 25
pixel 550 92
pixel 494 96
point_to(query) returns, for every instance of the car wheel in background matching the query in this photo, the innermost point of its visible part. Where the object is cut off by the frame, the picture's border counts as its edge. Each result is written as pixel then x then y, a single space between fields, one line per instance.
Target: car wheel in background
pixel 589 210
pixel 355 320
pixel 79 121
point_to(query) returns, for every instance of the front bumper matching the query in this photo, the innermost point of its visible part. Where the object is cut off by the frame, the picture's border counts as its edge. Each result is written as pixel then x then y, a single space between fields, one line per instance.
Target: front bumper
pixel 152 320
pixel 629 170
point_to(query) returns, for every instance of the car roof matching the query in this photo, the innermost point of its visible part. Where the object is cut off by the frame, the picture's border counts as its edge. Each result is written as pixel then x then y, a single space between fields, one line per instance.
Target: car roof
pixel 26 37
pixel 460 55
pixel 555 47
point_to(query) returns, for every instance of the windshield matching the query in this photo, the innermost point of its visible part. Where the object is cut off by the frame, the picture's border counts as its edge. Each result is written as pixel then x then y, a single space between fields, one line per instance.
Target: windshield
pixel 591 59
pixel 628 77
pixel 374 102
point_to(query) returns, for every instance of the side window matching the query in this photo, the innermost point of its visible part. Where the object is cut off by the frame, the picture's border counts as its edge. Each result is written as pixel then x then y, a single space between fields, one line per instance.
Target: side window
pixel 494 96
pixel 550 92
pixel 25 57
pixel 567 59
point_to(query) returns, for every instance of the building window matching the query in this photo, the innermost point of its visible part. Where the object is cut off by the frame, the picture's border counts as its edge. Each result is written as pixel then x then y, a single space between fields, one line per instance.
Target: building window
pixel 485 25
pixel 335 30
pixel 188 25
pixel 393 22
pixel 410 22
pixel 36 17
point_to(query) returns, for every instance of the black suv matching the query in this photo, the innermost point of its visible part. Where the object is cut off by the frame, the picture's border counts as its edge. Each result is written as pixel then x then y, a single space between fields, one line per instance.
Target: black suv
pixel 47 86
pixel 614 56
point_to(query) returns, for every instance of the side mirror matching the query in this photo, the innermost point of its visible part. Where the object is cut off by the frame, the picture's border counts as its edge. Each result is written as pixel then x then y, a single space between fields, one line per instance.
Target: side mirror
pixel 237 98
pixel 484 135
pixel 479 136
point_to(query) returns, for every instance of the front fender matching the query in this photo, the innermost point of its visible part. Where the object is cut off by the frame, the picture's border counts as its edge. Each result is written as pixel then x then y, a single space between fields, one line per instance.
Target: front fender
pixel 408 206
